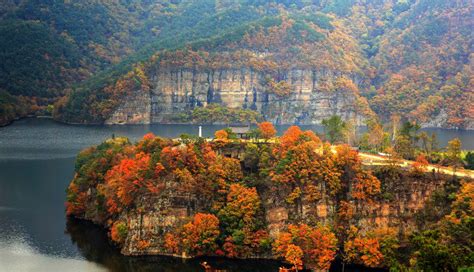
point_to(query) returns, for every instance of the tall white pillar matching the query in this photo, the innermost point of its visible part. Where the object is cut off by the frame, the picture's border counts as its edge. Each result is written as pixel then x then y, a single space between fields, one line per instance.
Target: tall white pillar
pixel 200 131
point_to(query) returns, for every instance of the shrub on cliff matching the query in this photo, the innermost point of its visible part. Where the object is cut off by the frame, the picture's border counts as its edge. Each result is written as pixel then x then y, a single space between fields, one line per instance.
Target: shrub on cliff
pixel 281 88
pixel 118 232
pixel 214 113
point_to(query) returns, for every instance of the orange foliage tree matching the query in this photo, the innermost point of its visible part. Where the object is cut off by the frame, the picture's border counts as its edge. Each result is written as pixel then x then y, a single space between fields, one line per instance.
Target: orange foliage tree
pixel 294 256
pixel 172 243
pixel 118 232
pixel 91 167
pixel 295 169
pixel 179 157
pixel 239 218
pixel 363 185
pixel 293 136
pixel 317 243
pixel 241 208
pixel 362 250
pixel 199 236
pixel 221 135
pixel 267 130
pixel 76 200
pixel 214 181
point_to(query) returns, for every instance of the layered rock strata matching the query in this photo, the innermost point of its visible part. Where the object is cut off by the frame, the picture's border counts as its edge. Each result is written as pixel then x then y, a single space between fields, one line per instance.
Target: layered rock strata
pixel 174 92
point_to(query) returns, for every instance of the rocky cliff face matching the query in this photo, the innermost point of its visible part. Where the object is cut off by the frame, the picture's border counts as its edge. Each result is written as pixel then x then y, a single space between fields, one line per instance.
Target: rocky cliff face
pixel 398 212
pixel 441 120
pixel 135 109
pixel 178 91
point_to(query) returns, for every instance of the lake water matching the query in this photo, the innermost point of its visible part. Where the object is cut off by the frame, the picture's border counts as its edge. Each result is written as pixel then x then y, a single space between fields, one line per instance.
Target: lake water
pixel 36 166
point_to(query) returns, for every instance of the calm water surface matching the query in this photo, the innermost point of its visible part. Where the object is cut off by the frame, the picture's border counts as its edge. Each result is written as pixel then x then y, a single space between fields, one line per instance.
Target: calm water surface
pixel 36 165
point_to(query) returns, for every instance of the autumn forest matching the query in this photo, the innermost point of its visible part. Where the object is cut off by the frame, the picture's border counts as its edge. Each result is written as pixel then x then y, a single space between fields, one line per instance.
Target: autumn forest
pixel 295 197
pixel 409 58
pixel 236 135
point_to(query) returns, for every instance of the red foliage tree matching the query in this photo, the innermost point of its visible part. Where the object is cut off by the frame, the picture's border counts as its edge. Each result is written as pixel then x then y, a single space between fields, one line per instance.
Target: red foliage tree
pixel 420 164
pixel 124 181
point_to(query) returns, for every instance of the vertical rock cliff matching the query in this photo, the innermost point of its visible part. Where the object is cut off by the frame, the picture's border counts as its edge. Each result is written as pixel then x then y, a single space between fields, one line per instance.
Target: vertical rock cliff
pixel 135 109
pixel 177 91
pixel 397 211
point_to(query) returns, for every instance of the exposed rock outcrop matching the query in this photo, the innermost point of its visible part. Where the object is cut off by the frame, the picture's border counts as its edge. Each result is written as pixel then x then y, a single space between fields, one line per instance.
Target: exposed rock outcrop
pixel 442 119
pixel 396 210
pixel 174 92
pixel 135 109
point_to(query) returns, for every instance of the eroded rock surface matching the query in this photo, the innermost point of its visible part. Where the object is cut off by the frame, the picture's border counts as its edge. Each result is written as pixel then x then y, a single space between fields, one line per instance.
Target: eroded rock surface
pixel 174 92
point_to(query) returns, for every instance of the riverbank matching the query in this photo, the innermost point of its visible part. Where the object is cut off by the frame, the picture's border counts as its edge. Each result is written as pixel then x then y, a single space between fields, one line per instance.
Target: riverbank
pixel 11 121
pixel 134 132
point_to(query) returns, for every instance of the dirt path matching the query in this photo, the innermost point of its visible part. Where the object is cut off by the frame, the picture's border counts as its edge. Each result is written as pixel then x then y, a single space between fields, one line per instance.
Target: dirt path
pixel 371 159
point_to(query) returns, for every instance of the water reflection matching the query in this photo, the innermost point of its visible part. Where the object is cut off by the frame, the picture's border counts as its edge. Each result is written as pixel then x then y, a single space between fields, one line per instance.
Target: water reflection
pixel 94 246
pixel 16 254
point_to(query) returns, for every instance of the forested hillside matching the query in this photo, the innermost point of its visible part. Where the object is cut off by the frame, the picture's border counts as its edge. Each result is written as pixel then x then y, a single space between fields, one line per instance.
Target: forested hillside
pixel 408 58
pixel 48 46
pixel 423 63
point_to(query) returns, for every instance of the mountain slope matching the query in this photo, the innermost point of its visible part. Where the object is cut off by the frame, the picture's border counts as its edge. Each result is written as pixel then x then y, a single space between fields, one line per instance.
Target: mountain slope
pixel 309 60
pixel 411 57
pixel 424 64
pixel 48 46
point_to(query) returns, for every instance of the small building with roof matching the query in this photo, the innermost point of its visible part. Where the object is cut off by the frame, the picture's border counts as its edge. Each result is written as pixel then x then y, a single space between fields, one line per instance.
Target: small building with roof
pixel 242 132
